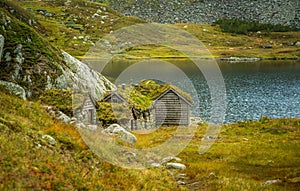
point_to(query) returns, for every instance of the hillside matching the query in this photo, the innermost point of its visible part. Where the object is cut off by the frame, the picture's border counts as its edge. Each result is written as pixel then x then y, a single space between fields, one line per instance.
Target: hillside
pixel 31 63
pixel 75 26
pixel 245 156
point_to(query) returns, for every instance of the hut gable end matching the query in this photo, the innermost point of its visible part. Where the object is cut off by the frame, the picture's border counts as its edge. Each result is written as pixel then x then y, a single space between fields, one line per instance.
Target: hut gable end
pixel 171 108
pixel 114 98
pixel 171 90
pixel 87 111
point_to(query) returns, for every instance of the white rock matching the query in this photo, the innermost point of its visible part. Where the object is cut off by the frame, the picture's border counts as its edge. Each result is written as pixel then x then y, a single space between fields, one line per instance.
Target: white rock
pixel 211 175
pixel 176 166
pixel 49 139
pixel 121 133
pixel 63 117
pixel 170 158
pixel 155 165
pixel 268 182
pixel 92 127
pixel 130 154
pixel 185 26
pixel 179 182
pixel 95 15
pixel 104 17
pixel 205 30
pixel 81 125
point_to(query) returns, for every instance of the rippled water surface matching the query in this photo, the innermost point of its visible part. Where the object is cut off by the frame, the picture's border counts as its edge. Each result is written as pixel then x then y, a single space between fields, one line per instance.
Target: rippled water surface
pixel 252 89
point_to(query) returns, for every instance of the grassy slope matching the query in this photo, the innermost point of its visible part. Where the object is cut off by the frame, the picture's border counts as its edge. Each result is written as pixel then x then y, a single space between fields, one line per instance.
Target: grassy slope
pixel 270 153
pixel 68 165
pixel 246 155
pixel 220 44
pixel 223 45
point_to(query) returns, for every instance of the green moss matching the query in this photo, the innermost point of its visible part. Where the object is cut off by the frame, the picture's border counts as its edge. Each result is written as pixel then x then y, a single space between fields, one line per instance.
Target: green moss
pixel 109 113
pixel 60 99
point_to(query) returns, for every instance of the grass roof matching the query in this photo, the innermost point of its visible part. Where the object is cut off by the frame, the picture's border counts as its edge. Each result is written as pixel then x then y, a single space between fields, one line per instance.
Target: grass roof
pixel 142 95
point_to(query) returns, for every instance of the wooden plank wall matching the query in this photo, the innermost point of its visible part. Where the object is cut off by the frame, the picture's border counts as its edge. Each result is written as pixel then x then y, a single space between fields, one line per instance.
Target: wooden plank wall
pixel 88 105
pixel 171 110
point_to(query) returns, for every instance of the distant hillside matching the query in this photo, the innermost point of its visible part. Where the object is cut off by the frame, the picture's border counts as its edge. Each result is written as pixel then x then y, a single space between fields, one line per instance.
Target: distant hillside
pixel 285 12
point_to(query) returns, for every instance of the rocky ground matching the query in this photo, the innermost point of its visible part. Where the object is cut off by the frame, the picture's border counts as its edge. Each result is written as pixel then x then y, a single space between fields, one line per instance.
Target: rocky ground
pixel 204 11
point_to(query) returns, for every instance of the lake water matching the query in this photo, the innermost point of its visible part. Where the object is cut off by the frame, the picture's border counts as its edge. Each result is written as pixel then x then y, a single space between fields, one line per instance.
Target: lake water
pixel 253 90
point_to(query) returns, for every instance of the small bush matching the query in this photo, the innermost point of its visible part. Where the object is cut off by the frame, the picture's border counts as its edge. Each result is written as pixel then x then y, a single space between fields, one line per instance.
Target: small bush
pixel 244 27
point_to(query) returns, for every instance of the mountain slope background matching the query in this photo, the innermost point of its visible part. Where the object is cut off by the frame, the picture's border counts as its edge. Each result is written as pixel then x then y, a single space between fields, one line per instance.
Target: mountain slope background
pixel 285 12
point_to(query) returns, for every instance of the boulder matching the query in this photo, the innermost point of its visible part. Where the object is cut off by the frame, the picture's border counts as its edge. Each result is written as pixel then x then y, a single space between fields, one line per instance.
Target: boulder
pixel 296 43
pixel 80 125
pixel 92 127
pixel 63 117
pixel 179 182
pixel 211 175
pixel 121 133
pixel 173 165
pixel 170 158
pixel 14 89
pixel 269 182
pixel 155 165
pixel 49 139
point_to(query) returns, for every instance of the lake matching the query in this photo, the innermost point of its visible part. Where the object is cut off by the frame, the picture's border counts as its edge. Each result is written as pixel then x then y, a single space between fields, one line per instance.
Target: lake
pixel 253 89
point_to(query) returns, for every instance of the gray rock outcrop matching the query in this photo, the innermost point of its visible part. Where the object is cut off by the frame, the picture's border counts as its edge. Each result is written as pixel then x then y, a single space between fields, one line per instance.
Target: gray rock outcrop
pixel 14 89
pixel 1 45
pixel 78 75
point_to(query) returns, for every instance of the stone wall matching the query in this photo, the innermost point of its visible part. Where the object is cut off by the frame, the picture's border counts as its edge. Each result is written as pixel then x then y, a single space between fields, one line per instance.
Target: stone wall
pixel 285 12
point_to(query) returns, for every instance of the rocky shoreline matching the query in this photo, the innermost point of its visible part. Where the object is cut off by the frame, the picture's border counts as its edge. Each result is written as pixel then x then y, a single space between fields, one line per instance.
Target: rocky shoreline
pixel 285 12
